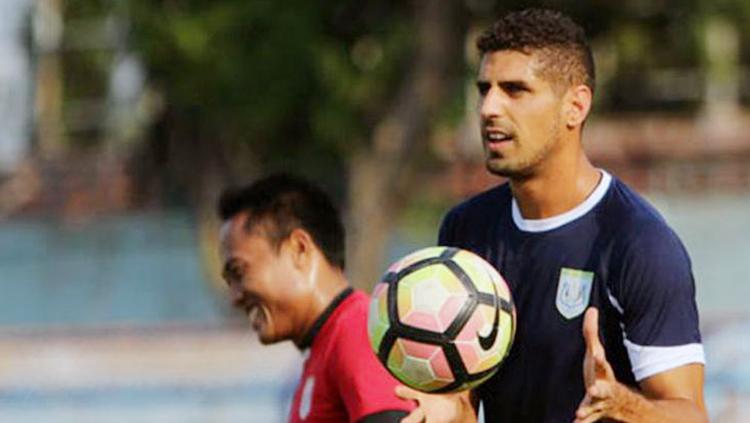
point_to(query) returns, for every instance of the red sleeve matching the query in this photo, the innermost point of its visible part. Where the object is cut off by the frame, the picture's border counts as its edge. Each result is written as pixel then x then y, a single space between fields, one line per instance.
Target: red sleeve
pixel 364 384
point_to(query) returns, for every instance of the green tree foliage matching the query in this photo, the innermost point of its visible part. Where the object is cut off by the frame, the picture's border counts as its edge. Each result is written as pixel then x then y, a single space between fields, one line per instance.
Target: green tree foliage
pixel 287 81
pixel 344 91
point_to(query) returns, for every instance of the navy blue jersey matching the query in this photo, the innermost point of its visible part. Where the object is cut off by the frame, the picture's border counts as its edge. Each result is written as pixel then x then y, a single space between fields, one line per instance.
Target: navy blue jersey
pixel 614 252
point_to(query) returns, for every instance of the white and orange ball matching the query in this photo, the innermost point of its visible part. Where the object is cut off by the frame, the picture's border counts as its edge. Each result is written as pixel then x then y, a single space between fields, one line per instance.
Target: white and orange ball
pixel 441 320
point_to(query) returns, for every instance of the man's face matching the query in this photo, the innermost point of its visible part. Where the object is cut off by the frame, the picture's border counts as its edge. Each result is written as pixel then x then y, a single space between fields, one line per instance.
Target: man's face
pixel 264 282
pixel 520 113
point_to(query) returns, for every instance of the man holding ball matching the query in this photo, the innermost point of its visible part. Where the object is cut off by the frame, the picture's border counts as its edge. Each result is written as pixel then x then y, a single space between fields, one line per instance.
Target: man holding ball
pixel 607 321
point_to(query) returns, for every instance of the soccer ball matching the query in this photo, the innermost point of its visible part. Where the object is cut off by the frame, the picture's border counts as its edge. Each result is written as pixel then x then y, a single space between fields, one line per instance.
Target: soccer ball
pixel 441 320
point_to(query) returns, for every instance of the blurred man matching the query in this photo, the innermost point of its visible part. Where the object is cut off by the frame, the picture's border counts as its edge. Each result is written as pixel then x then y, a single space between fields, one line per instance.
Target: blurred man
pixel 570 237
pixel 282 244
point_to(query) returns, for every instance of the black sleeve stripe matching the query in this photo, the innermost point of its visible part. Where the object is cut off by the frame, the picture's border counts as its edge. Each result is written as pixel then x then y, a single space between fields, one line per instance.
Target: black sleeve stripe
pixel 388 416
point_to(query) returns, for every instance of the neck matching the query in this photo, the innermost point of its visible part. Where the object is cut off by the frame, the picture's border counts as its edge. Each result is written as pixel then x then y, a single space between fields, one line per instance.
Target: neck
pixel 559 185
pixel 327 283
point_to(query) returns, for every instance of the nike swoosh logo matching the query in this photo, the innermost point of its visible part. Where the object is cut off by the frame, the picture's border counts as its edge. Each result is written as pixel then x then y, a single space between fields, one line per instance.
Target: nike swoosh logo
pixel 486 342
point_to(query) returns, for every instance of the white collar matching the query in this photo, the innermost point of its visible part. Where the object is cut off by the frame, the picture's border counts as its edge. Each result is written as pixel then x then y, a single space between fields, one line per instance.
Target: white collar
pixel 554 222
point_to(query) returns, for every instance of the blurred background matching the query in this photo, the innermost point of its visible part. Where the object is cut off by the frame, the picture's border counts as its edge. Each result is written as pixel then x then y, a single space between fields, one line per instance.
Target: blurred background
pixel 123 119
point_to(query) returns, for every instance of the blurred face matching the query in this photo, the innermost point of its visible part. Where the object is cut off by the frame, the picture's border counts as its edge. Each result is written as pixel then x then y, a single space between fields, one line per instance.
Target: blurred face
pixel 520 113
pixel 264 283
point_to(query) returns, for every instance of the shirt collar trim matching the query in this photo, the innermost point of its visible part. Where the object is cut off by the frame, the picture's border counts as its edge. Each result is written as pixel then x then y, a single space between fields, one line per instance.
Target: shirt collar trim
pixel 554 222
pixel 309 337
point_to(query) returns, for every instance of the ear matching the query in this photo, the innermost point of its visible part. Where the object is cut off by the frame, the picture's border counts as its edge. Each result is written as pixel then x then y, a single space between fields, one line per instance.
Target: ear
pixel 577 105
pixel 301 248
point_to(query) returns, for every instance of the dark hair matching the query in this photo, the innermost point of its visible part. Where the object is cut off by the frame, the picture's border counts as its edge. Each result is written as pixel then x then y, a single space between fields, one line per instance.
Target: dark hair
pixel 286 202
pixel 567 57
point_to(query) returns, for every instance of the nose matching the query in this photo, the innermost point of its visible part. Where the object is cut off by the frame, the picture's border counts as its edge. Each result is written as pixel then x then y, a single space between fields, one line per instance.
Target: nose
pixel 491 105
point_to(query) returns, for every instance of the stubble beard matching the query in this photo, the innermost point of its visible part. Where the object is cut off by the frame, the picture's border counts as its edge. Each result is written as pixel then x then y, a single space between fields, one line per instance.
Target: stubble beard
pixel 525 167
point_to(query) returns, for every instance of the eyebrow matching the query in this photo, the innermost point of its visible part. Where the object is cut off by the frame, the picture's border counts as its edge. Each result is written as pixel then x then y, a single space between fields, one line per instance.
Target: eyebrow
pixel 518 82
pixel 515 83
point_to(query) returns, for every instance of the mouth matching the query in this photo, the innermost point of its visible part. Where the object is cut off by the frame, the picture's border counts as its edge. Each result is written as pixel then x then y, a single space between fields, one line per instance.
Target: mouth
pixel 496 136
pixel 497 142
pixel 256 316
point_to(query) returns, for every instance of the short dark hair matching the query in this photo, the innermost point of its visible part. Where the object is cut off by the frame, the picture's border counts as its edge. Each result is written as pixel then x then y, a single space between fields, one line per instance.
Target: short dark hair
pixel 286 202
pixel 567 58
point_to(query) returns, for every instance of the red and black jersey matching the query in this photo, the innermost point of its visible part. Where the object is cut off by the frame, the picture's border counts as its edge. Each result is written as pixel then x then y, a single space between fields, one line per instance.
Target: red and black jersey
pixel 342 380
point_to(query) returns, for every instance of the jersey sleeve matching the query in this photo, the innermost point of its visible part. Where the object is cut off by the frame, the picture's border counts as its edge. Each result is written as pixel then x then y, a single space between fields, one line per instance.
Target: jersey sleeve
pixel 364 385
pixel 655 295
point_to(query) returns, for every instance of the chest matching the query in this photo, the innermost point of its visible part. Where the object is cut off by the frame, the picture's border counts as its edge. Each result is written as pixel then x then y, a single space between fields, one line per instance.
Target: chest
pixel 553 279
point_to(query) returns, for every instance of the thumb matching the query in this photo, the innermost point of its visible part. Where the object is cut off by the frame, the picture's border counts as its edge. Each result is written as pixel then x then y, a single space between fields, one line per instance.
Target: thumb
pixel 594 348
pixel 602 368
pixel 591 333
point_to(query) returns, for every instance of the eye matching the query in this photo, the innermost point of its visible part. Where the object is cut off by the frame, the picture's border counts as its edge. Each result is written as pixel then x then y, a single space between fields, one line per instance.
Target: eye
pixel 514 89
pixel 483 88
pixel 233 273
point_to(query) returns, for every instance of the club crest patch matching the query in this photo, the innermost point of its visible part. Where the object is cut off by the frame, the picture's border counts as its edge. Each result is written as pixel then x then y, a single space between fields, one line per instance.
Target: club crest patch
pixel 573 290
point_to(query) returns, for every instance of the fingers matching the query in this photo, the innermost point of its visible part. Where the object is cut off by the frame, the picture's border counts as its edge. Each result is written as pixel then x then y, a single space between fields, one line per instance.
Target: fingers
pixel 416 416
pixel 599 391
pixel 404 392
pixel 591 410
pixel 454 408
pixel 597 403
pixel 585 402
pixel 590 418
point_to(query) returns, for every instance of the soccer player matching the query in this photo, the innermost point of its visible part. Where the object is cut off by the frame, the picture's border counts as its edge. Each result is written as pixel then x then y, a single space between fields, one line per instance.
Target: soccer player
pixel 282 244
pixel 607 321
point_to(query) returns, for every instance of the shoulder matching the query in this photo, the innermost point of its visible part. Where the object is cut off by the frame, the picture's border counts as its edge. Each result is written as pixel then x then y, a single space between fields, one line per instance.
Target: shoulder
pixel 639 228
pixel 650 266
pixel 353 308
pixel 484 202
pixel 343 329
pixel 363 384
pixel 350 322
pixel 474 212
pixel 348 342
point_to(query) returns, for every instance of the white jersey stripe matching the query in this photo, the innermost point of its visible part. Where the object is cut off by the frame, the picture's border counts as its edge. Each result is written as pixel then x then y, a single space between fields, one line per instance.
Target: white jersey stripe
pixel 615 303
pixel 648 361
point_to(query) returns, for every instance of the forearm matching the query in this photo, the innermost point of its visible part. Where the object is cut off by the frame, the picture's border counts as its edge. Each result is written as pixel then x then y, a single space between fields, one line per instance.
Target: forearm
pixel 632 407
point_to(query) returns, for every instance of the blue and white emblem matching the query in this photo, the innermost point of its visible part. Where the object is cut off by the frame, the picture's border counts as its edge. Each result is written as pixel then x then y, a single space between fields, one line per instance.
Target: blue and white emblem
pixel 573 291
